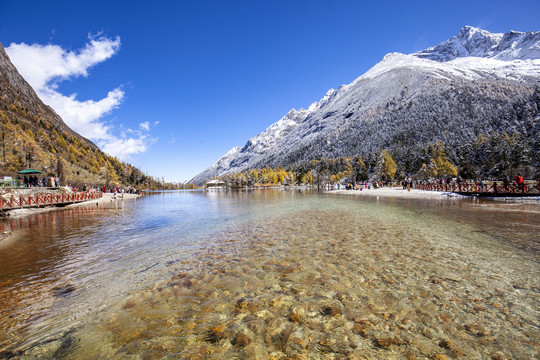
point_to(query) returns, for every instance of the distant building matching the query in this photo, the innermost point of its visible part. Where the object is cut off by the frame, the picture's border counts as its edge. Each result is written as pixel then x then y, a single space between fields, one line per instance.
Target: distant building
pixel 215 184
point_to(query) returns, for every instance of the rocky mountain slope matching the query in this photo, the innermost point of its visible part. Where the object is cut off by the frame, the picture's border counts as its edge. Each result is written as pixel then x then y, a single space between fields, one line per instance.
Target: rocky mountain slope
pixel 477 93
pixel 34 135
pixel 16 91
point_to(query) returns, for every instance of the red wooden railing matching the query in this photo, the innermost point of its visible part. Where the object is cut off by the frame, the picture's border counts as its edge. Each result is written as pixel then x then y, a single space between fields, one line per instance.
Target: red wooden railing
pixel 477 188
pixel 39 200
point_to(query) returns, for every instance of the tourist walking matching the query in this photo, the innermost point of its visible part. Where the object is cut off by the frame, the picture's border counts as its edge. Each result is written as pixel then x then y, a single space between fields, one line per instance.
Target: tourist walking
pixel 519 182
pixel 506 183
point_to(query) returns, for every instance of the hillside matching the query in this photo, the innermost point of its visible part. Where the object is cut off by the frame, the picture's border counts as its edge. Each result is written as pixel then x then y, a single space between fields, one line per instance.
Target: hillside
pixel 33 135
pixel 476 94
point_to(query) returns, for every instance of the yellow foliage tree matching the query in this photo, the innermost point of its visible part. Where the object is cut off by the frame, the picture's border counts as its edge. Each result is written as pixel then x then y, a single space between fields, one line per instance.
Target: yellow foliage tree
pixel 386 166
pixel 439 166
pixel 112 176
pixel 309 177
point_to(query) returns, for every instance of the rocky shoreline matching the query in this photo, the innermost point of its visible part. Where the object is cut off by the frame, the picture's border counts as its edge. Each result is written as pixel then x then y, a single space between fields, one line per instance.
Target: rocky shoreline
pixel 399 192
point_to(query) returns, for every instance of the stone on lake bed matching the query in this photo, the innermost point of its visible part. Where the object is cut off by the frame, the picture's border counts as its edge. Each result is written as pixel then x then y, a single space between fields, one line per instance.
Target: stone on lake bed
pixel 439 357
pixel 245 304
pixel 362 327
pixel 241 340
pixel 63 290
pixel 216 333
pixel 297 314
pixel 129 304
pixel 332 308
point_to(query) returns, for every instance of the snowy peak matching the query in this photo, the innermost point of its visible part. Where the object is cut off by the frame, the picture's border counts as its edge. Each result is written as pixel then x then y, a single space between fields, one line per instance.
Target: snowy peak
pixel 518 45
pixel 330 94
pixel 266 139
pixel 226 159
pixel 474 42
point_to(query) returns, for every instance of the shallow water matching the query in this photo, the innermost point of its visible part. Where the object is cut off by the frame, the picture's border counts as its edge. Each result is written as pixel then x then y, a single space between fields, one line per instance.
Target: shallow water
pixel 268 274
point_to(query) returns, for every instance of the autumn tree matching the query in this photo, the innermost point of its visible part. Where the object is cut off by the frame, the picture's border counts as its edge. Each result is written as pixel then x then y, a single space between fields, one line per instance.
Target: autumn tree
pixel 110 174
pixel 359 169
pixel 439 165
pixel 386 166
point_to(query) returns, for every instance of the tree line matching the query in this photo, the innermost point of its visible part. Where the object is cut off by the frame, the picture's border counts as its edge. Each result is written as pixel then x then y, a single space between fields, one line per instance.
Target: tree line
pixel 375 167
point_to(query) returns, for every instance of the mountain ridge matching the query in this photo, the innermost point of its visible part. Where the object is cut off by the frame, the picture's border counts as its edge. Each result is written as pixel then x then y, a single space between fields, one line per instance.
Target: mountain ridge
pixel 19 91
pixel 471 41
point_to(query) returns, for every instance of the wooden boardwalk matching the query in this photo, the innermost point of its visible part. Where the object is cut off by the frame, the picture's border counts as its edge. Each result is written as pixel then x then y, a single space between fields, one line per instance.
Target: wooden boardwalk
pixel 494 189
pixel 41 200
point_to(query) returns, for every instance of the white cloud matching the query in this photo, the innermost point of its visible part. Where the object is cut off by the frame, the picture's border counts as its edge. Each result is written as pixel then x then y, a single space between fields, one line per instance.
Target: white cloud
pixel 145 126
pixel 124 147
pixel 44 66
pixel 84 116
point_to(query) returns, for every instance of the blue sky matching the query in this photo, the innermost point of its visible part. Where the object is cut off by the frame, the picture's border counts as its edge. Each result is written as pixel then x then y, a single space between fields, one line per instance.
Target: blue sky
pixel 171 86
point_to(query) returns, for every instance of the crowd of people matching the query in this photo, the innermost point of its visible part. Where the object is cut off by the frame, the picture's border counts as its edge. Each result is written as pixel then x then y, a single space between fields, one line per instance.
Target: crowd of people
pixel 518 183
pixel 508 186
pixel 118 190
pixel 34 181
pixel 54 182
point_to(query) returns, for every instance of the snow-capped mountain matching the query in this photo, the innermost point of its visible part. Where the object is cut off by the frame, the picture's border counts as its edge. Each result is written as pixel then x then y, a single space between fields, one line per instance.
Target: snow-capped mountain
pixel 473 42
pixel 476 82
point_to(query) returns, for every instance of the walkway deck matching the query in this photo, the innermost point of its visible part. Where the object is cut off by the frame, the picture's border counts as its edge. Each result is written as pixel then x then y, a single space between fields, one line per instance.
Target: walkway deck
pixel 495 189
pixel 41 200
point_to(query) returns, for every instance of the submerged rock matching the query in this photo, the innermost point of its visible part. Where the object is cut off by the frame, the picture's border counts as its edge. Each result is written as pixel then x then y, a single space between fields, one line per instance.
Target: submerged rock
pixel 63 290
pixel 241 340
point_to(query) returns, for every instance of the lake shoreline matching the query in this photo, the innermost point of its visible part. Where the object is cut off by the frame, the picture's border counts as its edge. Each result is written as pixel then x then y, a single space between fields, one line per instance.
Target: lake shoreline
pixel 400 192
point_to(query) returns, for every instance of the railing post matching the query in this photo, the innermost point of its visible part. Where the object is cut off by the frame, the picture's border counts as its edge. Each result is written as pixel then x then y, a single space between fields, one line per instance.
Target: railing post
pixel 495 187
